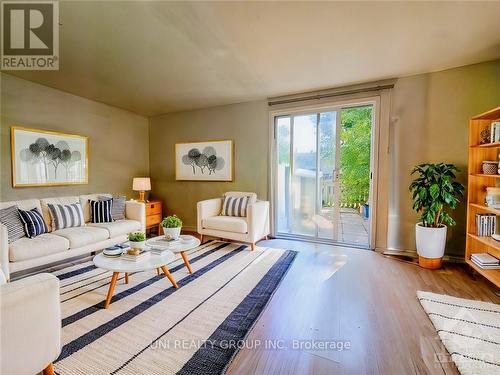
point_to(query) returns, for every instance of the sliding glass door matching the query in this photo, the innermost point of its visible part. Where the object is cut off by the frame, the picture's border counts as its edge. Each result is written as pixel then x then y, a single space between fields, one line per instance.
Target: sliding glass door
pixel 313 152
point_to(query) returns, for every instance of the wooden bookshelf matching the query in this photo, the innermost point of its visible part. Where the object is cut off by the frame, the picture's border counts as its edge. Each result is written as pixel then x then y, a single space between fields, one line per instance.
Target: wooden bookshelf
pixel 476 196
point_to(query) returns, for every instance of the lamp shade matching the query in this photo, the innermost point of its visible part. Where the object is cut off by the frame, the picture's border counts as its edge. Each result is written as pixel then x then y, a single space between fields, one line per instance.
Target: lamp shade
pixel 141 184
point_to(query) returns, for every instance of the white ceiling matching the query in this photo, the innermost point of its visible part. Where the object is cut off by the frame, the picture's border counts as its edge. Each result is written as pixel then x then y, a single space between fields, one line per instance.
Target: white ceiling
pixel 158 57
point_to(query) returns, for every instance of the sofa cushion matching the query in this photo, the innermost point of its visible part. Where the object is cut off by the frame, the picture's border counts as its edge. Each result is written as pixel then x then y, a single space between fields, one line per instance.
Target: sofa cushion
pixel 237 194
pixel 33 222
pixel 118 207
pixel 26 204
pixel 84 201
pixel 60 200
pixel 81 236
pixel 235 206
pixel 10 218
pixel 44 244
pixel 101 211
pixel 66 215
pixel 118 227
pixel 226 224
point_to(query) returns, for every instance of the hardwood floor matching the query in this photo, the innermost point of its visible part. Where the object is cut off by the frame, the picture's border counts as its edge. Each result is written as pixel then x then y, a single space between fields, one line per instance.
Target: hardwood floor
pixel 360 297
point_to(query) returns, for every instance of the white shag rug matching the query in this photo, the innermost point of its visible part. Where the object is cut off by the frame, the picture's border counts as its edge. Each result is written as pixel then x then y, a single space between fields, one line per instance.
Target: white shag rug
pixel 470 331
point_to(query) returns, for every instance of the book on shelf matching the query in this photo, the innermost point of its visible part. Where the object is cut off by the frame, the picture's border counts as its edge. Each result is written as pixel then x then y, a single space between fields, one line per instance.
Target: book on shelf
pixel 495 132
pixel 486 266
pixel 486 224
pixel 485 261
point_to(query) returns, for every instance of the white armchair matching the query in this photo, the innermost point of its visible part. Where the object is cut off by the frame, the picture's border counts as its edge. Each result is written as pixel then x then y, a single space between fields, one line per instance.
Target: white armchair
pixel 250 229
pixel 30 320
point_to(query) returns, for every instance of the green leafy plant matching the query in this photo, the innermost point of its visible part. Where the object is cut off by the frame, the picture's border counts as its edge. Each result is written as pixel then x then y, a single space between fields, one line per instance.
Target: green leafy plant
pixel 434 190
pixel 137 237
pixel 171 222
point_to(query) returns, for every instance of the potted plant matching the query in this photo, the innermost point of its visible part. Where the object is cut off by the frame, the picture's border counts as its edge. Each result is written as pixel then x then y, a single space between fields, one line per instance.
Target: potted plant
pixel 171 226
pixel 137 241
pixel 433 191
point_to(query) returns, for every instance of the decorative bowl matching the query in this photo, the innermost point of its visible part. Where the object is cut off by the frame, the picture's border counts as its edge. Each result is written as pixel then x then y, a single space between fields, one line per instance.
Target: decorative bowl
pixel 490 167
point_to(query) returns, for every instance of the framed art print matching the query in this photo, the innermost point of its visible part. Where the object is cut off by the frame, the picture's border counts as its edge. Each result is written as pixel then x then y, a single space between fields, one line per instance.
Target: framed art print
pixel 204 161
pixel 47 158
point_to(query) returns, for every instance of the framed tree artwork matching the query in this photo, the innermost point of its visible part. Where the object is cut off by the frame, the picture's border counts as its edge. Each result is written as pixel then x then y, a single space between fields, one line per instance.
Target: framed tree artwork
pixel 47 158
pixel 204 161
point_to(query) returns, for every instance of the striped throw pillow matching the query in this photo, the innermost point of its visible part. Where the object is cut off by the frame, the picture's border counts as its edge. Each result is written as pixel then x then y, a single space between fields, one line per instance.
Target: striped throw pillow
pixel 10 218
pixel 235 206
pixel 101 211
pixel 118 206
pixel 66 215
pixel 33 222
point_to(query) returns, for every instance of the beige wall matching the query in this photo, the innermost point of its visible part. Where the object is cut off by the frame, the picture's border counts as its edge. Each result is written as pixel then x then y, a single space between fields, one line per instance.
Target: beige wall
pixel 431 115
pixel 119 143
pixel 246 124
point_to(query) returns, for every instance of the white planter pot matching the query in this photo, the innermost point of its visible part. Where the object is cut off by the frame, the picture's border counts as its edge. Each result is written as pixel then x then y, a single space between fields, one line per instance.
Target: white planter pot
pixel 173 232
pixel 431 243
pixel 137 245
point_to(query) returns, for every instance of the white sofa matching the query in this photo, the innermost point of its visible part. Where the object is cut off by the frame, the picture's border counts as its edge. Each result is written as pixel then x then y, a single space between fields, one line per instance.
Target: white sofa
pixel 62 244
pixel 30 320
pixel 250 229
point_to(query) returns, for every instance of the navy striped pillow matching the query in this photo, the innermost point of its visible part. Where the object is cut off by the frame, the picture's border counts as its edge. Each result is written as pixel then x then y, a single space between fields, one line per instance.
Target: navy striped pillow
pixel 235 206
pixel 101 211
pixel 66 216
pixel 33 222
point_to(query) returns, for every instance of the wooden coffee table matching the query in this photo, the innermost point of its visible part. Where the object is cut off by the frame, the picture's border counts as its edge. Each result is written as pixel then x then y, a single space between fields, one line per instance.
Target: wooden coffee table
pixel 176 248
pixel 117 266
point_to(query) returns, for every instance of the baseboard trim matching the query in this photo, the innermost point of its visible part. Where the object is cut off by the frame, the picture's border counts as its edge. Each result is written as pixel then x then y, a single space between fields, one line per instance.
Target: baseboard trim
pixel 414 255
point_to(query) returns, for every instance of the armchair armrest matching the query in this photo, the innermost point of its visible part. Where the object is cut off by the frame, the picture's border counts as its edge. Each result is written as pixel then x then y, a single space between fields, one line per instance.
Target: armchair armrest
pixel 208 208
pixel 30 314
pixel 136 211
pixel 258 220
pixel 4 250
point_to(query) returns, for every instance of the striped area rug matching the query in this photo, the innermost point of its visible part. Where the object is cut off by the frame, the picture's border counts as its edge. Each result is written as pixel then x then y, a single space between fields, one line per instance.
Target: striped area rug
pixel 152 328
pixel 470 331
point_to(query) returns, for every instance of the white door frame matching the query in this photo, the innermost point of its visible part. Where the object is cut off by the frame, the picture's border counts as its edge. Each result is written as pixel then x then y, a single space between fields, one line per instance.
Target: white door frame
pixel 336 105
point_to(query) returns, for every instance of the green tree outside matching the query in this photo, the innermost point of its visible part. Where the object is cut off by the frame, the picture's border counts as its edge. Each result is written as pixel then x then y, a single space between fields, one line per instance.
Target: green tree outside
pixel 355 145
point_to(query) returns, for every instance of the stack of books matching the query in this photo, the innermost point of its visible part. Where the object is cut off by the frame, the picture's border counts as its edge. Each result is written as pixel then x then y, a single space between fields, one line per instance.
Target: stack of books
pixel 159 246
pixel 162 242
pixel 158 250
pixel 485 261
pixel 485 224
pixel 135 258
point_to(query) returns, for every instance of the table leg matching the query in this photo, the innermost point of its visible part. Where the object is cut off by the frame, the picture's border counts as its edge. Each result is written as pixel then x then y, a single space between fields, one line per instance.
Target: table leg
pixel 126 277
pixel 186 261
pixel 111 289
pixel 169 276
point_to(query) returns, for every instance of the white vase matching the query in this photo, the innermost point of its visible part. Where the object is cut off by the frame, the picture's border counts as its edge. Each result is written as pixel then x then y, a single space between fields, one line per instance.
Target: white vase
pixel 137 244
pixel 172 232
pixel 431 243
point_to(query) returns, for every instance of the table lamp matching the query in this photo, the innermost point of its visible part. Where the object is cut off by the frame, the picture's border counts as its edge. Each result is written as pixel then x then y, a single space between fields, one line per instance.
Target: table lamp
pixel 141 184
